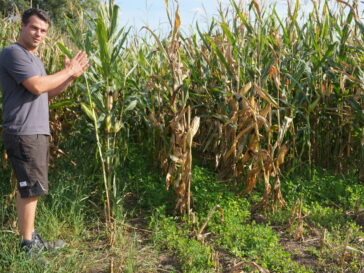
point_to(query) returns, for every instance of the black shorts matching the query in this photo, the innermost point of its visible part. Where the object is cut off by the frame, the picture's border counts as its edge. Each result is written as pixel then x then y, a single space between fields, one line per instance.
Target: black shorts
pixel 29 156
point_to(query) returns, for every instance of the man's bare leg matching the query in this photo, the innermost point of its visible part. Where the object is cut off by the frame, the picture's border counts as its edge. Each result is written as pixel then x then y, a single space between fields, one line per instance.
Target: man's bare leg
pixel 26 214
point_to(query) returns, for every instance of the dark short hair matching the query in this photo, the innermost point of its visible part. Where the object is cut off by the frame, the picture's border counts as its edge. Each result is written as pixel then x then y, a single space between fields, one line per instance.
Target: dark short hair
pixel 41 14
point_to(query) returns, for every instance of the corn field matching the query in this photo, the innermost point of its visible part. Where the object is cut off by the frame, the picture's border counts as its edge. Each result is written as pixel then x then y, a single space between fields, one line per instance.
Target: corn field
pixel 255 96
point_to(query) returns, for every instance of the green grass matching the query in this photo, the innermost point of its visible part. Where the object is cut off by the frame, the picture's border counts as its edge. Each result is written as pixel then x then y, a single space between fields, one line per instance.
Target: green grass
pixel 70 212
pixel 64 214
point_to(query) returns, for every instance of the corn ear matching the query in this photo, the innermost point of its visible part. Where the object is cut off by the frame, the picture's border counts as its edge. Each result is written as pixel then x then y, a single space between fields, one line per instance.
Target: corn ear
pixel 87 110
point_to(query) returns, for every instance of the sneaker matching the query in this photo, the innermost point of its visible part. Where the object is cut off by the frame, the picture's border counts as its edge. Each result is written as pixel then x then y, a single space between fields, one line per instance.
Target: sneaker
pixel 26 245
pixel 32 251
pixel 38 244
pixel 41 244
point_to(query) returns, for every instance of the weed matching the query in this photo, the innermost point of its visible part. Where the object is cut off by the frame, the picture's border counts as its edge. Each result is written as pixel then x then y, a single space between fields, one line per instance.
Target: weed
pixel 194 257
pixel 325 188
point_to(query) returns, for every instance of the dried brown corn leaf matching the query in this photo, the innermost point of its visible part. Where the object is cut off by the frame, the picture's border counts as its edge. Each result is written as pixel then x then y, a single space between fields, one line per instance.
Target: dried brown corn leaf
pixel 193 130
pixel 195 125
pixel 281 155
pixel 253 142
pixel 169 177
pixel 245 157
pixel 252 179
pixel 262 121
pixel 233 119
pixel 257 267
pixel 266 110
pixel 282 131
pixel 278 197
pixel 231 151
pixel 176 159
pixel 245 89
pixel 264 95
pixel 253 104
pixel 244 131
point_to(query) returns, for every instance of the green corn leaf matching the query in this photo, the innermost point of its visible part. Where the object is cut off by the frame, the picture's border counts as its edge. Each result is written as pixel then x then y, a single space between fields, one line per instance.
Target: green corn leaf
pixel 228 34
pixel 102 38
pixel 325 26
pixel 219 54
pixel 88 42
pixel 329 52
pixel 97 101
pixel 313 105
pixel 361 27
pixel 118 48
pixel 114 13
pixel 67 102
pixel 131 106
pixel 359 110
pixel 242 18
pixel 161 47
pixel 64 50
pixel 202 36
pixel 74 35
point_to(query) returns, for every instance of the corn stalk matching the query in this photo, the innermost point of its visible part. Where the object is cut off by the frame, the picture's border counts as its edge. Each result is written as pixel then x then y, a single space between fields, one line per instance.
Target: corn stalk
pixel 173 118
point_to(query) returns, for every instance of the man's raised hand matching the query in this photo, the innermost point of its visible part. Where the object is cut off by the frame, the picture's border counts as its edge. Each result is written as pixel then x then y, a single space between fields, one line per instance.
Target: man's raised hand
pixel 78 64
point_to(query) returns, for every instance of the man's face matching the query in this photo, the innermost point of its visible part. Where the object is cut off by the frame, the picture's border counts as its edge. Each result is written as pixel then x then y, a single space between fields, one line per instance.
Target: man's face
pixel 33 33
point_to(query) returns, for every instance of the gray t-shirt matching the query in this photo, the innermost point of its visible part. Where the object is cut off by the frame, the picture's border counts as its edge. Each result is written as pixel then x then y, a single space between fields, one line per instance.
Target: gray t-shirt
pixel 23 112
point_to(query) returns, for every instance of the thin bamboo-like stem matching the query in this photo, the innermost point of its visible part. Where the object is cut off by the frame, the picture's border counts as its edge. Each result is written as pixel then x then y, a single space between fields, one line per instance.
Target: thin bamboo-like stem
pixel 189 162
pixel 99 148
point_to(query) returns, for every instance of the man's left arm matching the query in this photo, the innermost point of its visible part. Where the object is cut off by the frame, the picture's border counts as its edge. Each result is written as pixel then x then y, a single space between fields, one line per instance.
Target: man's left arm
pixel 58 90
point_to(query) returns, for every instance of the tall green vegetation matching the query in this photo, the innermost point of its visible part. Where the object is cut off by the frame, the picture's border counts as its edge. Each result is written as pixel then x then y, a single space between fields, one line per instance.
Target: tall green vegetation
pixel 103 98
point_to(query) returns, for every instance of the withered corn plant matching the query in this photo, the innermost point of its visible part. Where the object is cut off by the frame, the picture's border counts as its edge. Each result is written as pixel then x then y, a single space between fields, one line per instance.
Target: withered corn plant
pixel 267 88
pixel 243 127
pixel 171 115
pixel 270 92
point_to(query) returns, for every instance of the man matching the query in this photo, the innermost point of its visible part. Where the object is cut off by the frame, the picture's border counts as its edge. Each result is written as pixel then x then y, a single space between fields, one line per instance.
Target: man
pixel 26 89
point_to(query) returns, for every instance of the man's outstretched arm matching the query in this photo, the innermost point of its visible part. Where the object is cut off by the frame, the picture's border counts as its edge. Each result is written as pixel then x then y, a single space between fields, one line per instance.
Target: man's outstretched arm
pixel 58 90
pixel 59 81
